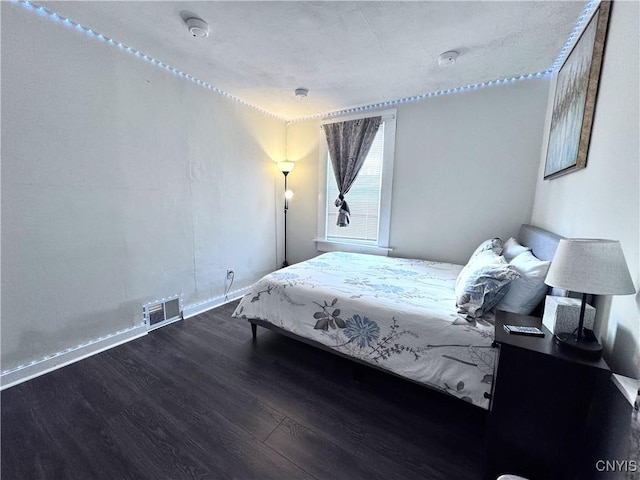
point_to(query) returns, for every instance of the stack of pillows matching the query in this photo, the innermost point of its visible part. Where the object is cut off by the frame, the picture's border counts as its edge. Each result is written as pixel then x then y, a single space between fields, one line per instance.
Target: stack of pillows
pixel 501 275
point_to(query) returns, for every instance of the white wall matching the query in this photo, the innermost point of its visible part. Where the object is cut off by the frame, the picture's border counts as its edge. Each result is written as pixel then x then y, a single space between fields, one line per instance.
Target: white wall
pixel 602 201
pixel 465 170
pixel 121 184
pixel 302 221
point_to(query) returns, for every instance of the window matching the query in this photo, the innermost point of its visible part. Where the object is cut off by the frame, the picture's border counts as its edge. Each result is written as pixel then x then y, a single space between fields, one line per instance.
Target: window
pixel 363 198
pixel 369 198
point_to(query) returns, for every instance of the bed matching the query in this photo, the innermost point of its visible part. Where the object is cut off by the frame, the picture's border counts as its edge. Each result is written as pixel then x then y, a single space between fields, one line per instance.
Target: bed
pixel 394 314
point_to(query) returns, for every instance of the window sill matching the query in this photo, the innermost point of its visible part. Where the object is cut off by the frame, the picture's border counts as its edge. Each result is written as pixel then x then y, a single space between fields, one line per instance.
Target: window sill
pixel 323 245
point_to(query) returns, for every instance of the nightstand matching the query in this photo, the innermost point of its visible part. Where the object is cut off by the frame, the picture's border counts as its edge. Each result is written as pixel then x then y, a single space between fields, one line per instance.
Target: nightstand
pixel 541 402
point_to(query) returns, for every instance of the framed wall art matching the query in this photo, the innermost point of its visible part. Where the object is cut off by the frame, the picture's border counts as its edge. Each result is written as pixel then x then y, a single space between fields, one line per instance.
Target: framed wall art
pixel 575 99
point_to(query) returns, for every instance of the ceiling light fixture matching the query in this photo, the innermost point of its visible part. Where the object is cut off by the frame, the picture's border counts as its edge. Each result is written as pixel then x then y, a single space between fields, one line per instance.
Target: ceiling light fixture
pixel 302 93
pixel 447 59
pixel 197 27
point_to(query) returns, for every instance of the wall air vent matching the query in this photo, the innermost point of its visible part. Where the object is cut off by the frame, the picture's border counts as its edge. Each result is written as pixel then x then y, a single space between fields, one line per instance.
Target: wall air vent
pixel 162 312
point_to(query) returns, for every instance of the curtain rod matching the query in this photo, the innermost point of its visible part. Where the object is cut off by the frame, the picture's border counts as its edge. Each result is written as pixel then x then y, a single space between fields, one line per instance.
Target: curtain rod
pixel 386 115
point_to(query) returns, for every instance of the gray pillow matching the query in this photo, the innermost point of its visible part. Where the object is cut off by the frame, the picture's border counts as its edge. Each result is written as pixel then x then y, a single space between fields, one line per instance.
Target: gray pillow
pixel 482 283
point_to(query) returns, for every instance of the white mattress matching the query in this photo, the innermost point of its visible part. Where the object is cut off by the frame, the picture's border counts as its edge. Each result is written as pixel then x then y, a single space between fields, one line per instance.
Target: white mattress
pixel 397 314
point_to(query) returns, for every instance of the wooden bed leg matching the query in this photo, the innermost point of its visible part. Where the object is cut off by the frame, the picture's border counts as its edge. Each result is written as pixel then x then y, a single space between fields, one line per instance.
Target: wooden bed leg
pixel 254 331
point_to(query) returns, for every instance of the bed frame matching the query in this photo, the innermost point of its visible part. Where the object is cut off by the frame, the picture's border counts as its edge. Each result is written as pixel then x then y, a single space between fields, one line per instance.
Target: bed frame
pixel 543 244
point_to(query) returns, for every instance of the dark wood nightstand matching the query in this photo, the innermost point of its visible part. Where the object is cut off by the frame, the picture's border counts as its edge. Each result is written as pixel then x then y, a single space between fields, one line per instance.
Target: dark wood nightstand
pixel 541 403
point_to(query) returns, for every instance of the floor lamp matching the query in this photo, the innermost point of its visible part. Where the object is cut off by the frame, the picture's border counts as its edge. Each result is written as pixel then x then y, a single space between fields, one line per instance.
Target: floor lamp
pixel 285 168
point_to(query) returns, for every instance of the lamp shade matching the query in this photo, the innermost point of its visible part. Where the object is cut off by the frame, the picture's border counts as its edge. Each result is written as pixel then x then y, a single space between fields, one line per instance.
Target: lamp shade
pixel 285 167
pixel 590 266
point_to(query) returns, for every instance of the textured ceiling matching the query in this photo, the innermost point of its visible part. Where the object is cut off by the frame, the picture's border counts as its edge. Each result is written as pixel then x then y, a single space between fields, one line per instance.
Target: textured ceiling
pixel 347 54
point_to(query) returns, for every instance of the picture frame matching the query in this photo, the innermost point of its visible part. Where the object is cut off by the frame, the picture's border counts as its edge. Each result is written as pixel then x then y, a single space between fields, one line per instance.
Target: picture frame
pixel 575 98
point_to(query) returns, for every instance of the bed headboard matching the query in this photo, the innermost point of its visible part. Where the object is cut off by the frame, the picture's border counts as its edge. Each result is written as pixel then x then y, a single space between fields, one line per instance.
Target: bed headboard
pixel 543 243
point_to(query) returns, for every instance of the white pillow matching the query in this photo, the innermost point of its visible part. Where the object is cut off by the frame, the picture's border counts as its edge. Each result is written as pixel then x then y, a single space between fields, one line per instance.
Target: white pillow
pixel 512 249
pixel 526 292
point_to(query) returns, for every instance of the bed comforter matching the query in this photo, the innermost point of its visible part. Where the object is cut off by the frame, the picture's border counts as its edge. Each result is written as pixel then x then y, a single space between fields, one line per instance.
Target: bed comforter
pixel 397 314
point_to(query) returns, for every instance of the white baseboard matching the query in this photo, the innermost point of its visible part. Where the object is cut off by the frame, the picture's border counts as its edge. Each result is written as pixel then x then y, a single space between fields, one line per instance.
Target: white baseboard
pixel 61 359
pixel 193 310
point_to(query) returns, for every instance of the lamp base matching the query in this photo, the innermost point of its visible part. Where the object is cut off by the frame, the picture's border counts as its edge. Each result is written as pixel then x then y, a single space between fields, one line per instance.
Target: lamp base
pixel 586 347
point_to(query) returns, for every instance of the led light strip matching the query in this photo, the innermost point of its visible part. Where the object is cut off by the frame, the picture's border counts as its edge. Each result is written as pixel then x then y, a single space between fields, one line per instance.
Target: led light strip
pixel 69 350
pixel 96 340
pixel 574 35
pixel 552 70
pixel 424 96
pixel 42 11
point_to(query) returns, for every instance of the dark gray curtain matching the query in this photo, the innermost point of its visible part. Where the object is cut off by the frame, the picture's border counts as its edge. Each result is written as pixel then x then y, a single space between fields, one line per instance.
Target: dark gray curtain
pixel 349 143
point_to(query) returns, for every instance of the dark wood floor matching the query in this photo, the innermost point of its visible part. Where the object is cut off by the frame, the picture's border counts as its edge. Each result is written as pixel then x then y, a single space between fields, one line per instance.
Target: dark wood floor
pixel 197 399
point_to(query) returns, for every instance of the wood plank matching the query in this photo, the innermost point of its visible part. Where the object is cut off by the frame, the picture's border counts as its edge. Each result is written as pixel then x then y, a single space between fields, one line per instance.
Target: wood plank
pixel 27 451
pixel 235 455
pixel 156 446
pixel 199 393
pixel 327 460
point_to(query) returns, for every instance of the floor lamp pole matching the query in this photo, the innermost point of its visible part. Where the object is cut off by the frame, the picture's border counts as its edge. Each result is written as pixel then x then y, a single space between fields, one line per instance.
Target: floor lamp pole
pixel 286 208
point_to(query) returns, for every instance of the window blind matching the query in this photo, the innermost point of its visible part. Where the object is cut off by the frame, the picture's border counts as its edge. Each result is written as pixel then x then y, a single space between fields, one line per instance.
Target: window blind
pixel 363 197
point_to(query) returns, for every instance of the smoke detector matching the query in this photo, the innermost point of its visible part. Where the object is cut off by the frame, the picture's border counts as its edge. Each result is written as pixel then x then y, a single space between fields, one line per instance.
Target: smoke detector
pixel 447 59
pixel 301 93
pixel 197 27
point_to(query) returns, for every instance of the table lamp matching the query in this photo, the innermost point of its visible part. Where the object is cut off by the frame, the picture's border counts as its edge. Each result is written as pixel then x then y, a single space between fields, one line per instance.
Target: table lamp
pixel 590 267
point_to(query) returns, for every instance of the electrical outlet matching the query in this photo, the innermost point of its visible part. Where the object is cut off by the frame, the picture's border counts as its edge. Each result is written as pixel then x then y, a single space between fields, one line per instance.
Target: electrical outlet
pixel 230 273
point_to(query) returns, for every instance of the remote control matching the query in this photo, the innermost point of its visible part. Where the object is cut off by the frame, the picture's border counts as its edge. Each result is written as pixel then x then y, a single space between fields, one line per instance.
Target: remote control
pixel 517 330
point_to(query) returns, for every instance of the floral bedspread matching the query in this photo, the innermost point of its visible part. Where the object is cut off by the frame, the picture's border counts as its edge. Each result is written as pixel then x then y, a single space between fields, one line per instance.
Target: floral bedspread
pixel 397 314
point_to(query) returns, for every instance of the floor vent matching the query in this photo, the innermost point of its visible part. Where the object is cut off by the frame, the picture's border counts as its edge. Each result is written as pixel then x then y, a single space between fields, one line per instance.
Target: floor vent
pixel 162 312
